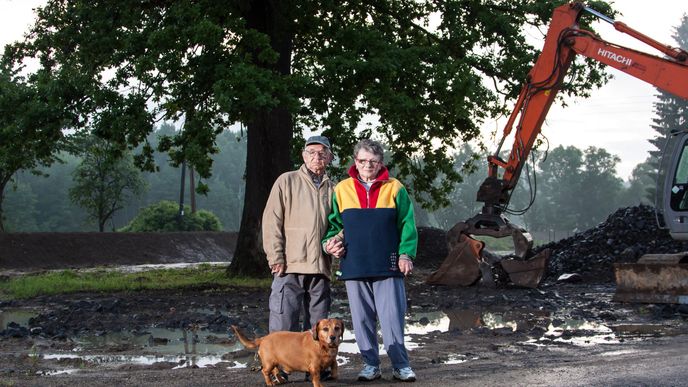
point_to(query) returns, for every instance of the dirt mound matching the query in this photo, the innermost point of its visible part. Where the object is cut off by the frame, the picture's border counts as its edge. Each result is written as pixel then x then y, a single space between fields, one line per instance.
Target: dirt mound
pixel 625 236
pixel 432 247
pixel 64 250
pixel 47 250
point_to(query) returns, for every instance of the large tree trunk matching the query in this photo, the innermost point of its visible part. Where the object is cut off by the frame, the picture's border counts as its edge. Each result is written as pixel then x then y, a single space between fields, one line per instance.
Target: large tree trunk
pixel 3 184
pixel 269 141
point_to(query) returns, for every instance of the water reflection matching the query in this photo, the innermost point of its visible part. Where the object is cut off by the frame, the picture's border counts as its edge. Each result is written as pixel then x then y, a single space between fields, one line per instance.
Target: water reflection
pixel 182 361
pixel 576 332
pixel 16 315
pixel 545 329
pixel 465 319
pixel 161 341
pixel 195 346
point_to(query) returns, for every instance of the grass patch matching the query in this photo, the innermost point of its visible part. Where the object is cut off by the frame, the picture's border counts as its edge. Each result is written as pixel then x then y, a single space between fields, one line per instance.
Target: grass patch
pixel 70 281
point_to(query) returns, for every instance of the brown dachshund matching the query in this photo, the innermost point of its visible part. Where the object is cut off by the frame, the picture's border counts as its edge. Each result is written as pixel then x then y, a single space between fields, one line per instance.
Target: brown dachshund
pixel 310 351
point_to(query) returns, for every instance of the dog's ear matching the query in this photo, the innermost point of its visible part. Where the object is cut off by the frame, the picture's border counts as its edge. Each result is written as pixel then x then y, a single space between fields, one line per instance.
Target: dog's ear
pixel 315 331
pixel 340 324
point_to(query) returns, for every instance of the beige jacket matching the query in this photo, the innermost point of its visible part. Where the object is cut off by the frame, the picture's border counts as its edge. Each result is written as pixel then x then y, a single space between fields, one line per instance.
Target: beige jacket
pixel 294 222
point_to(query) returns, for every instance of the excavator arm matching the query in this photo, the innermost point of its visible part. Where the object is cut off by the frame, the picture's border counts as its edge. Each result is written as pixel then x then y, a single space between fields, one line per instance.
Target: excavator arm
pixel 564 40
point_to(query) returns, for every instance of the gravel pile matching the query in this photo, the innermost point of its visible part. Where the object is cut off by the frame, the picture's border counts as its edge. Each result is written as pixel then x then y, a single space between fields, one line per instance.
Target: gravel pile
pixel 625 236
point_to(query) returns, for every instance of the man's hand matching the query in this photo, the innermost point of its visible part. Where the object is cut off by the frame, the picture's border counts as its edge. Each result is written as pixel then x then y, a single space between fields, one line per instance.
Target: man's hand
pixel 278 268
pixel 406 266
pixel 335 247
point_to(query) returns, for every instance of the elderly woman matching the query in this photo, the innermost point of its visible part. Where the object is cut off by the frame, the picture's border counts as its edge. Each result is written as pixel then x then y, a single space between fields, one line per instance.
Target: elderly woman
pixel 376 216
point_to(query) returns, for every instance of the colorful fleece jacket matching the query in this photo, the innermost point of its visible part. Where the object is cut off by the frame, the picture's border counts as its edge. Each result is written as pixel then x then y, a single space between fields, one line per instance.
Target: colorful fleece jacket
pixel 378 226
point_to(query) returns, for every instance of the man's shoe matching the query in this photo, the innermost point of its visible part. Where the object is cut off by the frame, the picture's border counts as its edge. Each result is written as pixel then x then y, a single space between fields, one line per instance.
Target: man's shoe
pixel 369 373
pixel 405 374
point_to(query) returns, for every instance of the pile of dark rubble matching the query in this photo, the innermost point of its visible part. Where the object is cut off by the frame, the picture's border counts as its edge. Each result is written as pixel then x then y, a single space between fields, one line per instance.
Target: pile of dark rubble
pixel 432 247
pixel 625 236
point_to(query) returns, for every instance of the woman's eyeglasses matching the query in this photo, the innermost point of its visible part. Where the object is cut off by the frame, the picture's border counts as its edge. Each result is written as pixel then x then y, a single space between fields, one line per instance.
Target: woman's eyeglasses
pixel 369 162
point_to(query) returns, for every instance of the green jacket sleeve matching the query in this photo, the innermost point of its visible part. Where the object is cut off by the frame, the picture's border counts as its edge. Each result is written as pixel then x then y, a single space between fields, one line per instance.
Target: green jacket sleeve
pixel 406 224
pixel 335 223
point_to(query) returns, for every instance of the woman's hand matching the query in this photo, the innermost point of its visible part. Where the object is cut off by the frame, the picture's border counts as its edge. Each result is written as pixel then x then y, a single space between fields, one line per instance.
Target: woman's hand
pixel 406 266
pixel 335 247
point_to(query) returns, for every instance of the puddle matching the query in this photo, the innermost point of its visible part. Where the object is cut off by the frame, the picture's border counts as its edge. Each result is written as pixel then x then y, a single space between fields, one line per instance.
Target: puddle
pixel 185 348
pixel 17 316
pixel 576 332
pixel 443 321
pixel 201 348
pixel 182 361
pixel 161 341
pixel 641 330
pixel 457 359
pixel 147 267
pixel 553 332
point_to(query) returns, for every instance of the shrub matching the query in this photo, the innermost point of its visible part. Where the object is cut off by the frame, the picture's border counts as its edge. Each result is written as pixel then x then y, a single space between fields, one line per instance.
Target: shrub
pixel 164 216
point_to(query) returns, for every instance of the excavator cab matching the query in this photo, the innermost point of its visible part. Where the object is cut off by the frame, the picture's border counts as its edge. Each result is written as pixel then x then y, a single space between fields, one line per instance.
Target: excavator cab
pixel 673 203
pixel 663 278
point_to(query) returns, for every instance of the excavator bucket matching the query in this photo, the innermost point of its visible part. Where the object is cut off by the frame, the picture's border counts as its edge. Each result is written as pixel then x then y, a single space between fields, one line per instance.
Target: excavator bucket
pixel 527 273
pixel 461 267
pixel 655 278
pixel 468 261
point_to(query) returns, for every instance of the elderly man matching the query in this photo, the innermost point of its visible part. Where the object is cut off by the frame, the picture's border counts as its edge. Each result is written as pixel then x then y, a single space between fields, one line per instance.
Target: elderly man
pixel 294 222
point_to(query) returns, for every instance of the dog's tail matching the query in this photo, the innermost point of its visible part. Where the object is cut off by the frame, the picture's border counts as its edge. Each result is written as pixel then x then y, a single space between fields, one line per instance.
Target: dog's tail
pixel 244 340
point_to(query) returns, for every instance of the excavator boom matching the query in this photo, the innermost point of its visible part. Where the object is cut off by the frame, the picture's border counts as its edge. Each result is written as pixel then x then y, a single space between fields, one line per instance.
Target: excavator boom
pixel 563 42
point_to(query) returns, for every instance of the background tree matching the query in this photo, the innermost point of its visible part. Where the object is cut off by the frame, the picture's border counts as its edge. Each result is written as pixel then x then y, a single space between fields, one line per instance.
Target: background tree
pixel 52 210
pixel 576 189
pixel 641 184
pixel 104 181
pixel 285 67
pixel 226 186
pixel 41 202
pixel 21 214
pixel 462 203
pixel 599 189
pixel 561 177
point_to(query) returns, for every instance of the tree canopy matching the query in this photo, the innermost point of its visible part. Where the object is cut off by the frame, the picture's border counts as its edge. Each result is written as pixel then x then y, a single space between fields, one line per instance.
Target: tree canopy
pixel 420 75
pixel 31 120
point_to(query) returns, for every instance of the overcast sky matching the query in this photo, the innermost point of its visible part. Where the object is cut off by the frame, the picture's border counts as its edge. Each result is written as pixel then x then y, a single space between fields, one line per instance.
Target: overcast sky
pixel 617 117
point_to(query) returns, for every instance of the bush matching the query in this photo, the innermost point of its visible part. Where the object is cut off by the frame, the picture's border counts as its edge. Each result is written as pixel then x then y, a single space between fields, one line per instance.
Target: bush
pixel 164 216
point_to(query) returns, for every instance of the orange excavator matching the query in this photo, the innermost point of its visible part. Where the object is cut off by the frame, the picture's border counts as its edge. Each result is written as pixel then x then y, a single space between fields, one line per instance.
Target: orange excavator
pixel 467 260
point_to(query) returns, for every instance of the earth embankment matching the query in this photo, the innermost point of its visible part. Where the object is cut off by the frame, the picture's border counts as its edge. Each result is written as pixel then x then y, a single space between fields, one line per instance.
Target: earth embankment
pixel 23 251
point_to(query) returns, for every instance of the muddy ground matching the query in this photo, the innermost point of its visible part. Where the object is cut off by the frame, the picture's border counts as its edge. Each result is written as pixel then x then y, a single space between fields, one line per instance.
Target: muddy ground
pixel 558 334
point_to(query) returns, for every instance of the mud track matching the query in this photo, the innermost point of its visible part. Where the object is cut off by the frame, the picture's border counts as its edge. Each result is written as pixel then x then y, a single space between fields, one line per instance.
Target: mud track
pixel 559 334
pixel 645 344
